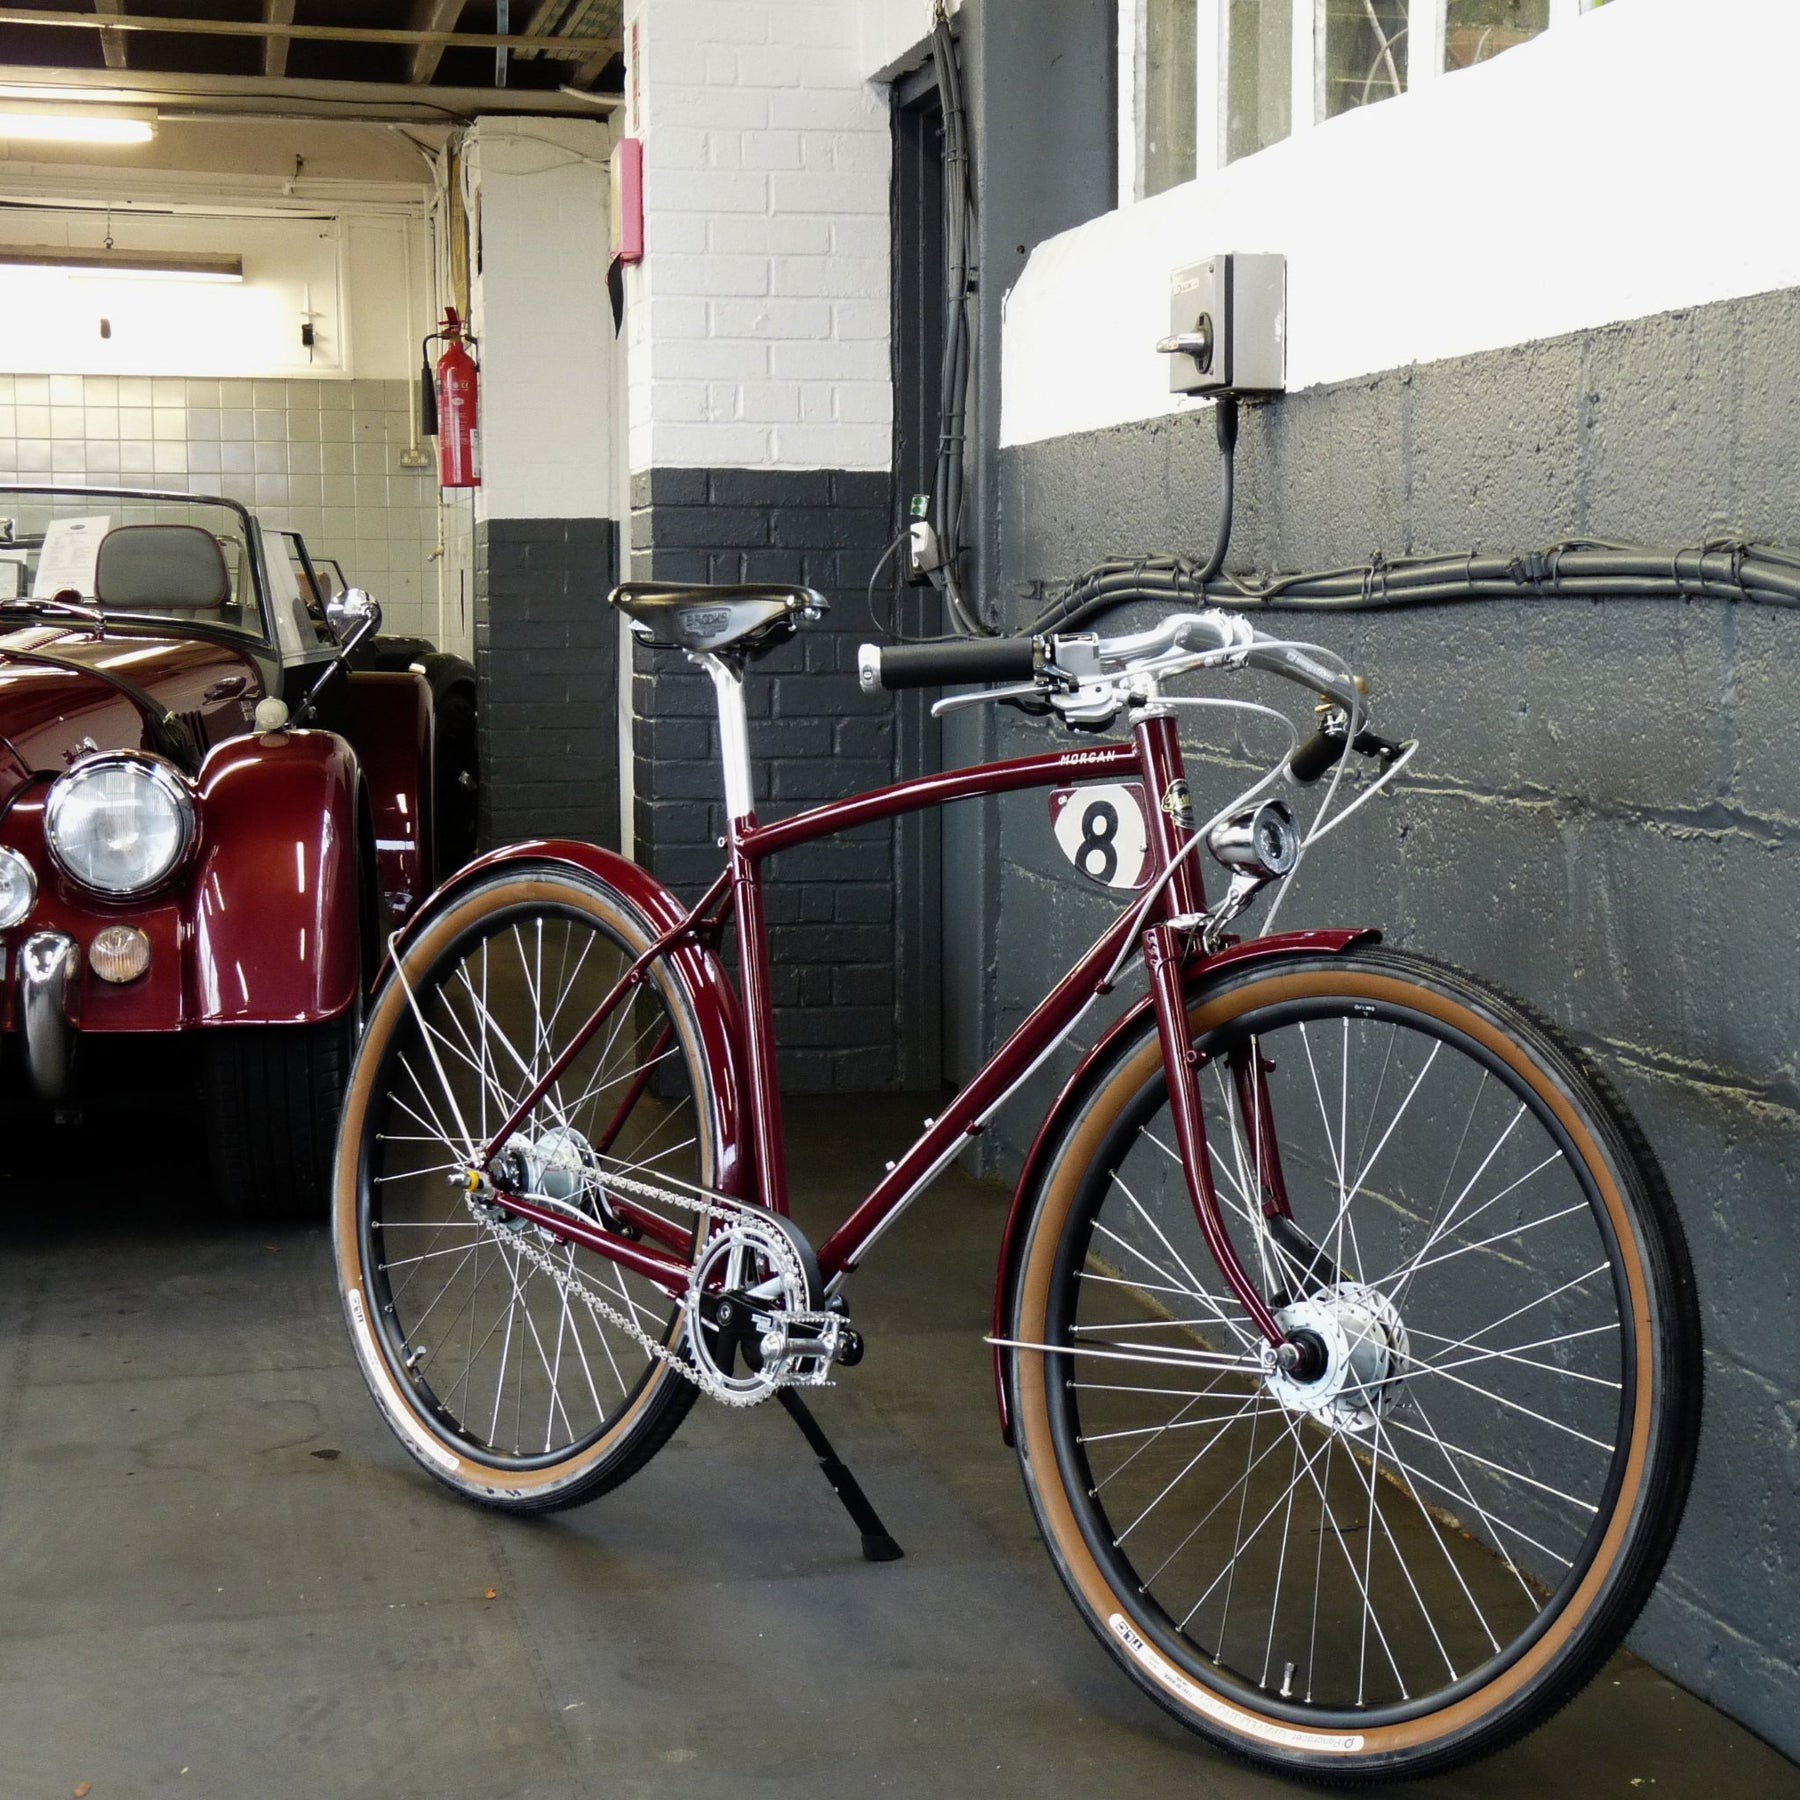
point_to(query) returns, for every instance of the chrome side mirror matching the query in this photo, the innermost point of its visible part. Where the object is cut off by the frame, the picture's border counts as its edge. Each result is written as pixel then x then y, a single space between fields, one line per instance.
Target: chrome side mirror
pixel 349 608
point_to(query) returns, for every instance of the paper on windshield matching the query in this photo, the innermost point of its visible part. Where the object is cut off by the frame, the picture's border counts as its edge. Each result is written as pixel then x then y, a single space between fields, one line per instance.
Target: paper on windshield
pixel 71 551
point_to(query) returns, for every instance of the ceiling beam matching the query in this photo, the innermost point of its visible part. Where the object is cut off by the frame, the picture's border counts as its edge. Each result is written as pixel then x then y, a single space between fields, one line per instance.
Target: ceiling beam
pixel 257 97
pixel 112 43
pixel 336 34
pixel 431 15
pixel 275 50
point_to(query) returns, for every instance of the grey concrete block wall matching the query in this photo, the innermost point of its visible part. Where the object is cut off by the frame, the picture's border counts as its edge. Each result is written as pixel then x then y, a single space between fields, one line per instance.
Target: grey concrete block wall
pixel 1604 817
pixel 814 736
pixel 547 673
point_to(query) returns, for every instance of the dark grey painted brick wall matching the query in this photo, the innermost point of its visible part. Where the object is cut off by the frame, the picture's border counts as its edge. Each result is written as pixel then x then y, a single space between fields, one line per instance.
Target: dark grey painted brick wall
pixel 1605 815
pixel 813 734
pixel 546 660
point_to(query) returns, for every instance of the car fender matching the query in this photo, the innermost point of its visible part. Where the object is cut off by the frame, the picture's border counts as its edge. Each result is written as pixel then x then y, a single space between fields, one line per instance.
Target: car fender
pixel 1089 1072
pixel 391 727
pixel 694 964
pixel 276 926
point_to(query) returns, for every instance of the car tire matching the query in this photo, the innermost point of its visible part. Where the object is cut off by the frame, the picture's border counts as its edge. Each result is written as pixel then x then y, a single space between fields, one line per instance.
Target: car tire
pixel 272 1095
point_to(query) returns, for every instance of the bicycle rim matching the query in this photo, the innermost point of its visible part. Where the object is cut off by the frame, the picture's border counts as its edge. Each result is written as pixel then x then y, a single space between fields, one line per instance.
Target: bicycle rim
pixel 496 1374
pixel 1426 1548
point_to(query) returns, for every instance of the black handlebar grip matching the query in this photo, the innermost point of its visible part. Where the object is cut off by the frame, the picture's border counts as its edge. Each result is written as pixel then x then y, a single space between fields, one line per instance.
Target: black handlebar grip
pixel 1322 751
pixel 941 665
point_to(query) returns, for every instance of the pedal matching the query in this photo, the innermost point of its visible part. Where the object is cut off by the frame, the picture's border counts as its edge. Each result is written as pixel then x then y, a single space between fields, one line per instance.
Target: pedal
pixel 812 1343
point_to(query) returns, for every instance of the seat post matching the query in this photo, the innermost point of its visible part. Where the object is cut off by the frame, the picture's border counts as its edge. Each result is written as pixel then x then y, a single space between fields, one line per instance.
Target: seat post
pixel 734 735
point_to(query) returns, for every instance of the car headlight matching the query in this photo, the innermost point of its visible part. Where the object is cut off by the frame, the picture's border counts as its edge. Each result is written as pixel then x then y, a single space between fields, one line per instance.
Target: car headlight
pixel 18 888
pixel 119 823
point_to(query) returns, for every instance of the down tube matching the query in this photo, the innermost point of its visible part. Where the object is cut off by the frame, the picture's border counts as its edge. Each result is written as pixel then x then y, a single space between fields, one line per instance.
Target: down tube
pixel 965 1116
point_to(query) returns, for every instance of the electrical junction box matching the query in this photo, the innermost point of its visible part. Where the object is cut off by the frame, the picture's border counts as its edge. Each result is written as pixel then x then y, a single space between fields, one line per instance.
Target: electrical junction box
pixel 1228 326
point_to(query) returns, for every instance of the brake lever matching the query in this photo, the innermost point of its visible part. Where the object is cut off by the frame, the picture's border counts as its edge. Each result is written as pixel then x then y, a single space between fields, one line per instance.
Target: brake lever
pixel 1018 690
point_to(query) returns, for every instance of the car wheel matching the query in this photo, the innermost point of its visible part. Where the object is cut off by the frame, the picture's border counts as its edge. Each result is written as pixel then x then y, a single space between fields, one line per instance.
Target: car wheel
pixel 272 1096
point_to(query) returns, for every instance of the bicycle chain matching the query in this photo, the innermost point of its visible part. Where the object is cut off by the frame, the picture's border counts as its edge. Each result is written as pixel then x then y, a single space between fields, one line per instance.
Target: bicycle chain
pixel 772 1243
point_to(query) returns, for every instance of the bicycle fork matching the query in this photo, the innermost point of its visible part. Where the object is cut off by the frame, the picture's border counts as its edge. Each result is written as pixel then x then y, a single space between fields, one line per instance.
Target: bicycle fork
pixel 1163 959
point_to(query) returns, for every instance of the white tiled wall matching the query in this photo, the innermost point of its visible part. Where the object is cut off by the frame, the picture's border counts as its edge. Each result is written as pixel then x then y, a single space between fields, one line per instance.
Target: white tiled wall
pixel 317 457
pixel 758 321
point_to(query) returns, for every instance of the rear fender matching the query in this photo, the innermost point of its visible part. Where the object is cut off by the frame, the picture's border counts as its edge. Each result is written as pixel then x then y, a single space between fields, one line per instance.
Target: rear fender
pixel 694 965
pixel 1088 1074
pixel 277 929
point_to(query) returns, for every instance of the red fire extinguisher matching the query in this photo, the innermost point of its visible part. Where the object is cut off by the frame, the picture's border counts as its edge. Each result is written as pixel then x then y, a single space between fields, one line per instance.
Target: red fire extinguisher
pixel 447 399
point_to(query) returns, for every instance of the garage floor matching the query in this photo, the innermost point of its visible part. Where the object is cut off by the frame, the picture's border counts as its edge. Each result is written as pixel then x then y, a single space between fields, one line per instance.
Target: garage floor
pixel 219 1576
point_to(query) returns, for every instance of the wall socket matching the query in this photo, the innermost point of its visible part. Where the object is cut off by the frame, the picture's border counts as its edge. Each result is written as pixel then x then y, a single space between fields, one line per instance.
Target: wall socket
pixel 1228 326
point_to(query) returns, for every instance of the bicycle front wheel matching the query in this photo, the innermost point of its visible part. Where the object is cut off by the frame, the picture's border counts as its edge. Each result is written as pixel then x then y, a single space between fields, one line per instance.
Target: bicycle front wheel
pixel 1425 1545
pixel 474 1329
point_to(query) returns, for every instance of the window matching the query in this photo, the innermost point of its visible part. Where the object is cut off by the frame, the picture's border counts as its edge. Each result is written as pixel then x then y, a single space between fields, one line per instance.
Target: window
pixel 1214 80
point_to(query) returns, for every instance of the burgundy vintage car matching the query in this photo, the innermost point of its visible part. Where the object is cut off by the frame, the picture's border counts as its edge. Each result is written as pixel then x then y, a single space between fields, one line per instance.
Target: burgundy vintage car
pixel 212 813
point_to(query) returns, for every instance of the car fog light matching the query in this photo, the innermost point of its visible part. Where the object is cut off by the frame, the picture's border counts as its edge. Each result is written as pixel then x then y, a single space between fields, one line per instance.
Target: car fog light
pixel 119 953
pixel 18 888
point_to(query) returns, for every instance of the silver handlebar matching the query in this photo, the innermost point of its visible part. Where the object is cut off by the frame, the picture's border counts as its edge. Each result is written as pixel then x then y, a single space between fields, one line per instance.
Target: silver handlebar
pixel 1205 633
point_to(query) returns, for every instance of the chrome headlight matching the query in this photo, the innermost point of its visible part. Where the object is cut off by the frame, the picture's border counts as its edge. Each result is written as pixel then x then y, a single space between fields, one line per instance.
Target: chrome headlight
pixel 119 823
pixel 1263 841
pixel 18 888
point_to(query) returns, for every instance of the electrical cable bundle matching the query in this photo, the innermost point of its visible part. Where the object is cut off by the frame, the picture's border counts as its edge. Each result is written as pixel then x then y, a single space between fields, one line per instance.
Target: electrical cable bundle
pixel 959 288
pixel 1582 569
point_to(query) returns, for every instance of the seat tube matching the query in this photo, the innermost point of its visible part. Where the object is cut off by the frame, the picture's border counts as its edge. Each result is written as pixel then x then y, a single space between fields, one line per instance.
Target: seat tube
pixel 753 945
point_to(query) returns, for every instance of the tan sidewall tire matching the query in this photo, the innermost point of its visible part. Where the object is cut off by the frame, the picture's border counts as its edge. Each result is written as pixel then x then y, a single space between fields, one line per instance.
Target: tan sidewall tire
pixel 1228 1720
pixel 480 1480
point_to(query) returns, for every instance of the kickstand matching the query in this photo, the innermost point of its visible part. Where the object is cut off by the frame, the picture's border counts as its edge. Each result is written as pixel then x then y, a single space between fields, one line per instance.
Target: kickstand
pixel 877 1546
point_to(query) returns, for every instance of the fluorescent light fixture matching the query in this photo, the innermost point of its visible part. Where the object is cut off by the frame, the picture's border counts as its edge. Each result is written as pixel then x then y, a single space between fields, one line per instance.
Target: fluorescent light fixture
pixel 58 124
pixel 132 265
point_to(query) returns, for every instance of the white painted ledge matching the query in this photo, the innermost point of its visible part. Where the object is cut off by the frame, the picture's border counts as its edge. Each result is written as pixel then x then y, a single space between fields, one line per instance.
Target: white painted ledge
pixel 1631 162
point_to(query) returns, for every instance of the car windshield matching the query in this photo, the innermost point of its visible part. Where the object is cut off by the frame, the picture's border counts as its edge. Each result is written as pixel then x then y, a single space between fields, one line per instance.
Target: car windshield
pixel 90 548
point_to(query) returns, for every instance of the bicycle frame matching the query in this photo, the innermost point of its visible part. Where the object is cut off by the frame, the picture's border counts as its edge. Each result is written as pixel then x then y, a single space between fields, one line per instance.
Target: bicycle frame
pixel 1153 757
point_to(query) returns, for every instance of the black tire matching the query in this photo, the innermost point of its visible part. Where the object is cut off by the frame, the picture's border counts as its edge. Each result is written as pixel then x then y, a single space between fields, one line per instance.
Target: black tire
pixel 271 1095
pixel 439 1292
pixel 1492 1510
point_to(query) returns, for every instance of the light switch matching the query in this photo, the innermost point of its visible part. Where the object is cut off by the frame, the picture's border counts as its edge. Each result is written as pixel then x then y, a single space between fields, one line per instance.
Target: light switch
pixel 1228 326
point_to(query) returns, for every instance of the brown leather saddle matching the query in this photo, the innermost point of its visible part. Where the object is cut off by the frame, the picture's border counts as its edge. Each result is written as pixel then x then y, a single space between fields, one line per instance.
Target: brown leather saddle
pixel 702 617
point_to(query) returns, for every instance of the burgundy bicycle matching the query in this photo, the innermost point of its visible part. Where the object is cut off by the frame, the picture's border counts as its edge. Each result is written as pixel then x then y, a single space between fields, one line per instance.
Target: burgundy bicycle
pixel 1343 1325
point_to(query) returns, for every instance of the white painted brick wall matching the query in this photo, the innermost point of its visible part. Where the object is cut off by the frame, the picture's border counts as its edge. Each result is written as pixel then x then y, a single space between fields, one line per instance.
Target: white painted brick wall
pixel 758 321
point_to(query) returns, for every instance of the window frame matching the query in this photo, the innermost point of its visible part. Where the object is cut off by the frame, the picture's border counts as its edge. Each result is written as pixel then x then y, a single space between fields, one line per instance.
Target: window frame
pixel 1425 34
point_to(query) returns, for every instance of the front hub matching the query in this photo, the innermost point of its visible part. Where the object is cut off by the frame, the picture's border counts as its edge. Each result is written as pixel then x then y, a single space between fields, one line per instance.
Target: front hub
pixel 1356 1357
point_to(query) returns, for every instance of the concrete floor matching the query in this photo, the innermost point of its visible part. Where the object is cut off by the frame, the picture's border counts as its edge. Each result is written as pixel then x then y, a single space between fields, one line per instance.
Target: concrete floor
pixel 219 1576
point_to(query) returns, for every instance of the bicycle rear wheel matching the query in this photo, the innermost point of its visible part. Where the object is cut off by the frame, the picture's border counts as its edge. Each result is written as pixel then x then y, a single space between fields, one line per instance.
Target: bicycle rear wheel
pixel 1407 1558
pixel 472 1328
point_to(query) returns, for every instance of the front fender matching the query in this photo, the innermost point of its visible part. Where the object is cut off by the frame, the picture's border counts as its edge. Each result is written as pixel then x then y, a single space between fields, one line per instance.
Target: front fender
pixel 276 926
pixel 693 964
pixel 1087 1073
